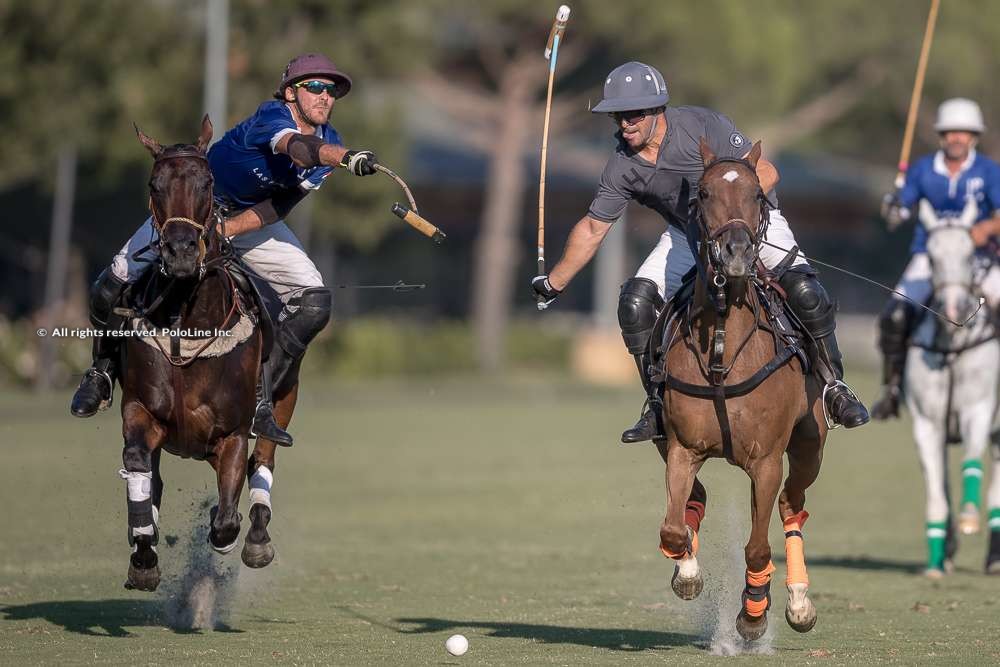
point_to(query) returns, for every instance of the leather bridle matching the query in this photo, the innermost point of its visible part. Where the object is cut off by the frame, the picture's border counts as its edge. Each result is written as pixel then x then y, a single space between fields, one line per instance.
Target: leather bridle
pixel 203 227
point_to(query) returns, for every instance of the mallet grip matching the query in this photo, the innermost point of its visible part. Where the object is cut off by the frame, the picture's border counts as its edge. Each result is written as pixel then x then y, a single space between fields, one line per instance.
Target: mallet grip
pixel 418 223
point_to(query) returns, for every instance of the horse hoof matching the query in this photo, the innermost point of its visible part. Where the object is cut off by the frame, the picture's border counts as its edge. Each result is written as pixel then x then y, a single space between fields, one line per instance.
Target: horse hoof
pixel 800 612
pixel 934 573
pixel 750 628
pixel 686 587
pixel 142 579
pixel 257 555
pixel 993 567
pixel 968 520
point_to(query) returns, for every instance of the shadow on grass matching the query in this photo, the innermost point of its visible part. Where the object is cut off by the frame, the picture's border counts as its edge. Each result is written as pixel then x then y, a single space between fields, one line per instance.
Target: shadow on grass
pixel 101 618
pixel 616 639
pixel 863 563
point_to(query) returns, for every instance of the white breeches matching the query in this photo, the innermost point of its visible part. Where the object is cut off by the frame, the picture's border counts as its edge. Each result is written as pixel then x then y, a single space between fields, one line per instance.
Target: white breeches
pixel 273 252
pixel 672 258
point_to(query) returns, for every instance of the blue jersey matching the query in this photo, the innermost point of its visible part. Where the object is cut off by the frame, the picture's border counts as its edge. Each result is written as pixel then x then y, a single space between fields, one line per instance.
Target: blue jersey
pixel 246 168
pixel 929 179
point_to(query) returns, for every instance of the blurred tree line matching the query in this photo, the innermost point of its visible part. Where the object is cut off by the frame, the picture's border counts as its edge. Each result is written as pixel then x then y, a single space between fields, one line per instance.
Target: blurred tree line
pixel 810 77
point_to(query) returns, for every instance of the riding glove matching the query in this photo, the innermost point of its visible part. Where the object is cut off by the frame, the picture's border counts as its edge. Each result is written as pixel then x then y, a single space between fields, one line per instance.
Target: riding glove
pixel 359 163
pixel 544 291
pixel 893 211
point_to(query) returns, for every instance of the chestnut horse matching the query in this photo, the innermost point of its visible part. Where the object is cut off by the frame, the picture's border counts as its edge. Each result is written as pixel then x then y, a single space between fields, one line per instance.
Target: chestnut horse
pixel 735 387
pixel 191 366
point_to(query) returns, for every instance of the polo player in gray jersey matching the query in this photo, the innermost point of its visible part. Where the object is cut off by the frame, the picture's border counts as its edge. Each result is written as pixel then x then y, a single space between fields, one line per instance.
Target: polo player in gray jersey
pixel 658 148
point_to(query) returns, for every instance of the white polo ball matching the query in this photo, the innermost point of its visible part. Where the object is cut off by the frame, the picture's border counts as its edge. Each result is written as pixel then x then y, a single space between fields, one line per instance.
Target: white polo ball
pixel 457 645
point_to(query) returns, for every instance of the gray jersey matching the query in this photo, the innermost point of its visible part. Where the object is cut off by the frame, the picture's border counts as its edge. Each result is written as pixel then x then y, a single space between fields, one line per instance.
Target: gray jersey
pixel 628 176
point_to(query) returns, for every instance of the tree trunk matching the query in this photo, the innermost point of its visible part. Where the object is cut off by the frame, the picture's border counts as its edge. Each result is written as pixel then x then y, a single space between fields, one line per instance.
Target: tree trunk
pixel 55 273
pixel 496 246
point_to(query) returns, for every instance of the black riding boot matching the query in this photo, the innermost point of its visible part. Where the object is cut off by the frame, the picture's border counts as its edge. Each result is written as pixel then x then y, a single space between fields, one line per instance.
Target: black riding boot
pixel 895 326
pixel 638 305
pixel 264 425
pixel 96 390
pixel 817 312
pixel 842 405
pixel 647 428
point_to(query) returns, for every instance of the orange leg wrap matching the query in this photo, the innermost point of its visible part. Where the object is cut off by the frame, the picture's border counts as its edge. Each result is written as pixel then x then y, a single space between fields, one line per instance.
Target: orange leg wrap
pixel 760 581
pixel 795 557
pixel 684 554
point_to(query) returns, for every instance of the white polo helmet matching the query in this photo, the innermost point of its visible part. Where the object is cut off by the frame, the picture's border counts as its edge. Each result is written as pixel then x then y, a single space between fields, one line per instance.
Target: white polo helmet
pixel 959 114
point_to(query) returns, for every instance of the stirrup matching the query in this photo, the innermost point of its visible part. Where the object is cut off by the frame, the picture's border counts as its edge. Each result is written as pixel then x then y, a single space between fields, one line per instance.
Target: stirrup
pixel 104 404
pixel 830 423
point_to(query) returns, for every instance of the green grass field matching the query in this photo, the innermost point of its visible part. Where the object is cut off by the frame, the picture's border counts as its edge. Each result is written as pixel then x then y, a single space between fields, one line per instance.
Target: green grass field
pixel 506 512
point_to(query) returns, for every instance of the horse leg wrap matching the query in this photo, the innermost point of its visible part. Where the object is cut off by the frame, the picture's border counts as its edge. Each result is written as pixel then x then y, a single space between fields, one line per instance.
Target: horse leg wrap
pixel 994 520
pixel 972 480
pixel 795 556
pixel 694 513
pixel 260 486
pixel 690 549
pixel 757 593
pixel 142 515
pixel 937 533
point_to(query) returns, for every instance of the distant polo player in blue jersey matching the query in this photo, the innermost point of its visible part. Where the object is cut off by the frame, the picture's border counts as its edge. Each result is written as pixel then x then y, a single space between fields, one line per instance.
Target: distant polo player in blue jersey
pixel 945 179
pixel 263 167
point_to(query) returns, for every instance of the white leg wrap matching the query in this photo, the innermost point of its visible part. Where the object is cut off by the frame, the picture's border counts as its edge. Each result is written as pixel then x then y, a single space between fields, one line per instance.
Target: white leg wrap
pixel 139 484
pixel 260 486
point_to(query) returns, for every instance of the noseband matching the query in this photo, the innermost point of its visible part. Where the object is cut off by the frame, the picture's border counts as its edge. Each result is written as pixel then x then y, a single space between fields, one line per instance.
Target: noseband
pixel 202 227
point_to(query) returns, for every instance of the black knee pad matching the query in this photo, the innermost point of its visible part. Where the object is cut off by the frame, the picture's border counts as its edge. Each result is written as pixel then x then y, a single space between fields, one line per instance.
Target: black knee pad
pixel 638 305
pixel 297 328
pixel 104 294
pixel 809 301
pixel 895 325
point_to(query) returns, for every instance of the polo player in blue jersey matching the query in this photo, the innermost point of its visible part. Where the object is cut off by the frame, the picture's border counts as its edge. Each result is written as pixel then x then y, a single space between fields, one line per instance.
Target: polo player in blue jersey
pixel 946 179
pixel 262 167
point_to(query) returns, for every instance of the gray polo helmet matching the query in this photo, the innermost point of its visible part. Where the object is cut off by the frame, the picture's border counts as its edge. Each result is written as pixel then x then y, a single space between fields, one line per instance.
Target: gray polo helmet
pixel 633 86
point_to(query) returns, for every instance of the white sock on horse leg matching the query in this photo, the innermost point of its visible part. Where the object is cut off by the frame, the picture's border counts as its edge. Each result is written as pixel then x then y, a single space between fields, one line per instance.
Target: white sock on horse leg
pixel 260 486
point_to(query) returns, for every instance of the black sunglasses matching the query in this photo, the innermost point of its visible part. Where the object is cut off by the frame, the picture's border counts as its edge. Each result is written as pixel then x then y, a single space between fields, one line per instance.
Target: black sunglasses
pixel 317 87
pixel 631 117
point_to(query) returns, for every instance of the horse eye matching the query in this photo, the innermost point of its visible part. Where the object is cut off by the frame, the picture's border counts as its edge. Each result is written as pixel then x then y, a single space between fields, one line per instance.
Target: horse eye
pixel 702 194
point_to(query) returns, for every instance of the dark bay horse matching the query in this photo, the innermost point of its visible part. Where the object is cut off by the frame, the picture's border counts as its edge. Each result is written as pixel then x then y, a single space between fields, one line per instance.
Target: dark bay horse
pixel 735 388
pixel 191 368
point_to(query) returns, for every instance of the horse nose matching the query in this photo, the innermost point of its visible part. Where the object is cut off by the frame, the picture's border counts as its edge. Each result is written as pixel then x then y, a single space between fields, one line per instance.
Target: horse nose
pixel 180 247
pixel 738 246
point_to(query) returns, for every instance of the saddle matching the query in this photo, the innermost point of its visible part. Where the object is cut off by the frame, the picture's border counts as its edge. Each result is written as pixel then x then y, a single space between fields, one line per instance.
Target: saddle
pixel 788 333
pixel 141 298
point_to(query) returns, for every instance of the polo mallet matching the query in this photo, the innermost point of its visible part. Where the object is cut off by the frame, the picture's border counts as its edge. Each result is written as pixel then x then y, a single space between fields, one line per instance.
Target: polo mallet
pixel 551 54
pixel 918 86
pixel 410 215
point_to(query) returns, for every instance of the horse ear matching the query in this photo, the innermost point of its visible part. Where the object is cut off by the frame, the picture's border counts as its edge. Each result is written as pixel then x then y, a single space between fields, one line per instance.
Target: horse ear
pixel 206 133
pixel 969 213
pixel 152 145
pixel 754 155
pixel 927 216
pixel 707 156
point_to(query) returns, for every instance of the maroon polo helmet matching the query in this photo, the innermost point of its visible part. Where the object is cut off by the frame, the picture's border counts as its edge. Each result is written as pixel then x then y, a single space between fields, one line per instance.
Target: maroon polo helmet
pixel 312 64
